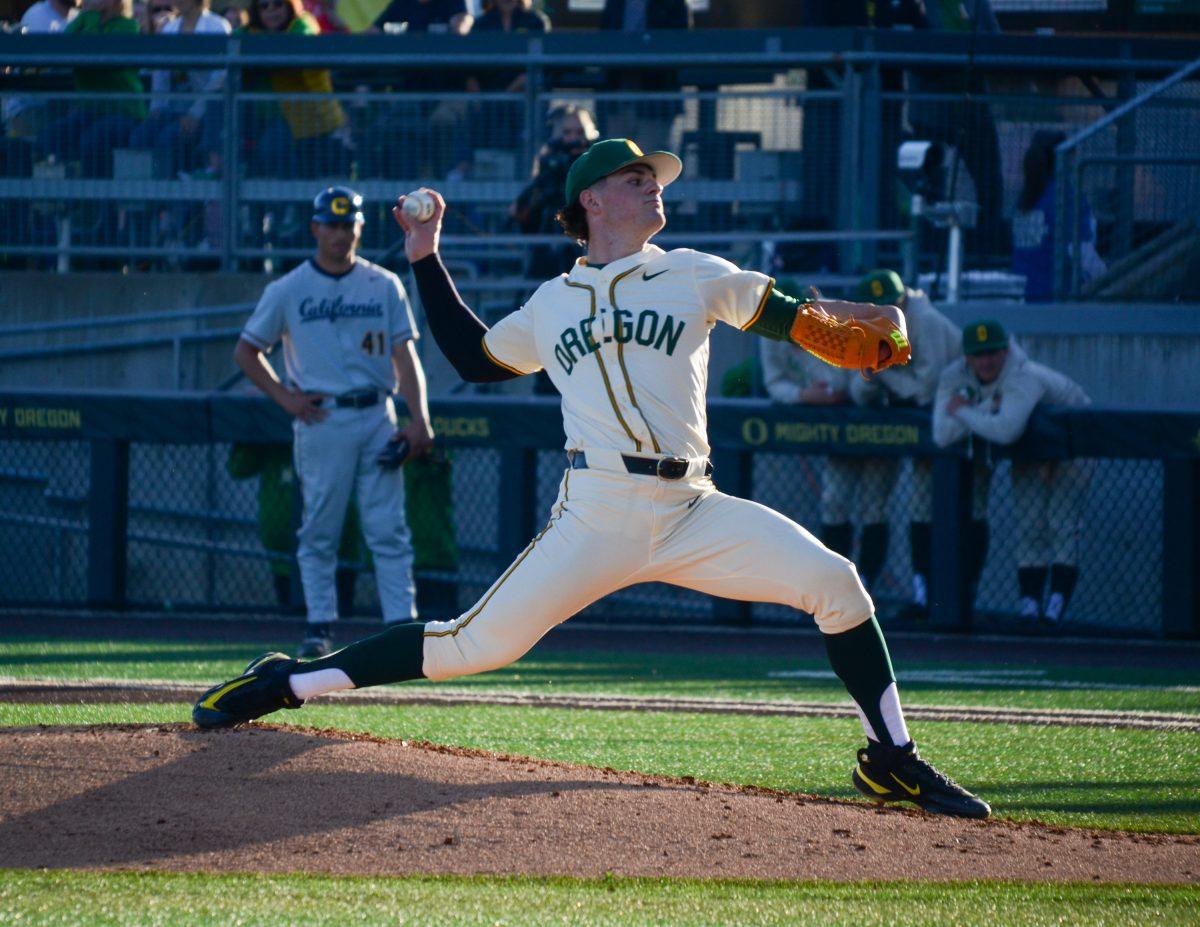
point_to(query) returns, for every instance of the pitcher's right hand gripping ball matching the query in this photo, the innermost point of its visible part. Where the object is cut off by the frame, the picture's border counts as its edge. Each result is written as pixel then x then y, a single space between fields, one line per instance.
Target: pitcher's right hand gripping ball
pixel 418 206
pixel 870 342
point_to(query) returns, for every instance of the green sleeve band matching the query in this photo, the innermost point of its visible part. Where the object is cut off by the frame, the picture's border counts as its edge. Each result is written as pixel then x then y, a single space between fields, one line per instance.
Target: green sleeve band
pixel 777 315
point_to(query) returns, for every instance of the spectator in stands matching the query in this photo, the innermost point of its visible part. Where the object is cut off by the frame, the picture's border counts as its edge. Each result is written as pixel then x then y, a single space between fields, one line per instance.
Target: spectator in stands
pixel 153 15
pixel 113 107
pixel 648 121
pixel 236 15
pixel 186 133
pixel 1034 224
pixel 852 489
pixel 49 16
pixel 307 139
pixel 507 16
pixel 990 394
pixel 425 16
pixel 936 341
pixel 572 132
pixel 326 14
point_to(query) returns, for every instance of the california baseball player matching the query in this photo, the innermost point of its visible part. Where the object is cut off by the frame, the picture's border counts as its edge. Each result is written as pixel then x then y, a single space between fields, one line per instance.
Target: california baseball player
pixel 936 341
pixel 624 337
pixel 347 333
pixel 991 393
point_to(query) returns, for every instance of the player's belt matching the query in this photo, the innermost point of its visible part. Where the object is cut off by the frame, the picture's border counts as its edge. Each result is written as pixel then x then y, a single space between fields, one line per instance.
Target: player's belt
pixel 665 468
pixel 363 399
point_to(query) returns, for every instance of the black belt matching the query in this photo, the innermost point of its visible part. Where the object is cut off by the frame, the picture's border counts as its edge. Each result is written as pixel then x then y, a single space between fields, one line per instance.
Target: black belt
pixel 363 400
pixel 665 468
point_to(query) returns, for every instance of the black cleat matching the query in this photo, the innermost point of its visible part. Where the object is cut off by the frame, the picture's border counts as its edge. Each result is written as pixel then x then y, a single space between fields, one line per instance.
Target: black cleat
pixel 261 689
pixel 887 774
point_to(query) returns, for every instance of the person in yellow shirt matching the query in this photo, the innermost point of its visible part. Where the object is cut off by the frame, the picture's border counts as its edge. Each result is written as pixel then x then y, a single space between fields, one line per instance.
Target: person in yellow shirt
pixel 307 135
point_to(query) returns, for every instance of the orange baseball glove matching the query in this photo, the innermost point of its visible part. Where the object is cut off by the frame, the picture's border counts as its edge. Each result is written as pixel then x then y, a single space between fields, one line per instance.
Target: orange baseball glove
pixel 869 338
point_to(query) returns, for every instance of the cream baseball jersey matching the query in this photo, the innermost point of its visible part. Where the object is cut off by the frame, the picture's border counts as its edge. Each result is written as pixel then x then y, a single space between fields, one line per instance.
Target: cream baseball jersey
pixel 337 331
pixel 626 345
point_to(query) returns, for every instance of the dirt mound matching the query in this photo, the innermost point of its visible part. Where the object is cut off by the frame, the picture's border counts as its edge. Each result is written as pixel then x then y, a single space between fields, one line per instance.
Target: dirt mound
pixel 272 799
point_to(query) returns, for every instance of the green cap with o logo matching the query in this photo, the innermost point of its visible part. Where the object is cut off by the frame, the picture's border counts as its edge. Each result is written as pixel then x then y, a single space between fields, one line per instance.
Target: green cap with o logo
pixel 881 287
pixel 984 335
pixel 609 156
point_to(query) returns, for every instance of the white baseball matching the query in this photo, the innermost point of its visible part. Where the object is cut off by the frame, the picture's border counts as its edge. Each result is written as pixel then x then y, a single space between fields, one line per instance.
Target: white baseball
pixel 418 205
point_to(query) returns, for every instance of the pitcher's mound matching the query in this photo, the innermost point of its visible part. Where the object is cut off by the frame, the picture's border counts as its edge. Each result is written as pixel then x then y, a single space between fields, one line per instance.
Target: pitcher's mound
pixel 273 799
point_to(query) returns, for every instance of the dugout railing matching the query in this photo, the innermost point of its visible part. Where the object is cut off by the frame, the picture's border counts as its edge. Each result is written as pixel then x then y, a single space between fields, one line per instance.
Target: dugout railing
pixel 782 131
pixel 118 500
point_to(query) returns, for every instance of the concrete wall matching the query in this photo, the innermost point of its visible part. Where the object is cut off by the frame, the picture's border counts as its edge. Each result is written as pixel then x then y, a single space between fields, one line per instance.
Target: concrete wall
pixel 27 297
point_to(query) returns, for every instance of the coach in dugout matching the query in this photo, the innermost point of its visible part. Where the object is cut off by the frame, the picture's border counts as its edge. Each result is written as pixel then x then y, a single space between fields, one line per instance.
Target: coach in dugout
pixel 991 393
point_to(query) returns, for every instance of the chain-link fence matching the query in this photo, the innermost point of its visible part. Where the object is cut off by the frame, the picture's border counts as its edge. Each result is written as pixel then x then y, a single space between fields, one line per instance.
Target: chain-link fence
pixel 44 488
pixel 212 527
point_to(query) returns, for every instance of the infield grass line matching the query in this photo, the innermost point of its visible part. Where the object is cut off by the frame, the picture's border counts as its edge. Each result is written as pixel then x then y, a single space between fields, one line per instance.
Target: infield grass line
pixel 632 673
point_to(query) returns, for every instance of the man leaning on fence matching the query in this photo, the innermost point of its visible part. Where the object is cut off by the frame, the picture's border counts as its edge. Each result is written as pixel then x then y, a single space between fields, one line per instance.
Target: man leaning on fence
pixel 990 394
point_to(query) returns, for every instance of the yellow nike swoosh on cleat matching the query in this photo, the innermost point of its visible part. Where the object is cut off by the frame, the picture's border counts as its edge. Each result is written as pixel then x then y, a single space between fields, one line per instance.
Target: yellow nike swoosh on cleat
pixel 879 789
pixel 904 785
pixel 211 701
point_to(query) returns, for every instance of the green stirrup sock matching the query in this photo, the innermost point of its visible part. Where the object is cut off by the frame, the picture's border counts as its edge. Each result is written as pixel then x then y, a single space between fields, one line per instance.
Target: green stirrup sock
pixel 860 659
pixel 393 655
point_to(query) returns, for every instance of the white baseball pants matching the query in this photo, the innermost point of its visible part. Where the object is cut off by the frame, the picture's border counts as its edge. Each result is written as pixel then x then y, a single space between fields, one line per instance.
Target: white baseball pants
pixel 333 459
pixel 609 530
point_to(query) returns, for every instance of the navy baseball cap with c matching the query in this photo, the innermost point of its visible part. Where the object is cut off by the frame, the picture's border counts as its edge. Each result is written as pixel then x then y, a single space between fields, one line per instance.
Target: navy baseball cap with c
pixel 984 335
pixel 609 156
pixel 337 204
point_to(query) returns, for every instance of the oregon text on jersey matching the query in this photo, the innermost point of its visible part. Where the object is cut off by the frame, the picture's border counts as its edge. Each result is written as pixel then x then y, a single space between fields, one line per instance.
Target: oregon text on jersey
pixel 575 345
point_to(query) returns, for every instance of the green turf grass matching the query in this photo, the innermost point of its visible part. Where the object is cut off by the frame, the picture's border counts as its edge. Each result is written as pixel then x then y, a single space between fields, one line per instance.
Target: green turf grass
pixel 1093 777
pixel 95 899
pixel 631 673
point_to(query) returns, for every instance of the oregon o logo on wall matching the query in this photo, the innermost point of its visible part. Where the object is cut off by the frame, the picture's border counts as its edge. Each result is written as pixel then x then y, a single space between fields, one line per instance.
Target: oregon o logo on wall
pixel 755 431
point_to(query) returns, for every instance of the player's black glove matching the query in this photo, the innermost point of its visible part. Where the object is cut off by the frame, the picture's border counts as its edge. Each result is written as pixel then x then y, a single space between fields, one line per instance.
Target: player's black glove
pixel 394 453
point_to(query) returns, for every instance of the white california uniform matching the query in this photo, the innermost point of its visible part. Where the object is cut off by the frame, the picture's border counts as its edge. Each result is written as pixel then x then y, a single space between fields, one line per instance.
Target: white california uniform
pixel 338 333
pixel 626 345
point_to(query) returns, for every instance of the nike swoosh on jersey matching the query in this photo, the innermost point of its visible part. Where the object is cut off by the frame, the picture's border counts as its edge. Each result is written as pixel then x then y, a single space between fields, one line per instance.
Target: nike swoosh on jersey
pixel 646 276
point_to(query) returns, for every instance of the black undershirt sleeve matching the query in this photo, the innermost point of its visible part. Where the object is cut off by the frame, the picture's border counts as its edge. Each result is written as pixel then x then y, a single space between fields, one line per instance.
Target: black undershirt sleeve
pixel 456 329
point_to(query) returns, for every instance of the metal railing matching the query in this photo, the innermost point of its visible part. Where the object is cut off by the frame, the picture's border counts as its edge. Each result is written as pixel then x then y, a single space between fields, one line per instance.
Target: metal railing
pixel 1117 164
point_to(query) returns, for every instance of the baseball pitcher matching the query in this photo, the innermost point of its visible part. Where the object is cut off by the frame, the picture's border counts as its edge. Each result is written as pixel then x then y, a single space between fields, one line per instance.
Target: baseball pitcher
pixel 624 337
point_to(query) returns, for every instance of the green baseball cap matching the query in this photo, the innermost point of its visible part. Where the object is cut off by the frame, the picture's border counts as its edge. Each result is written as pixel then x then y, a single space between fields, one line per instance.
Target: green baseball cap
pixel 609 156
pixel 882 287
pixel 984 335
